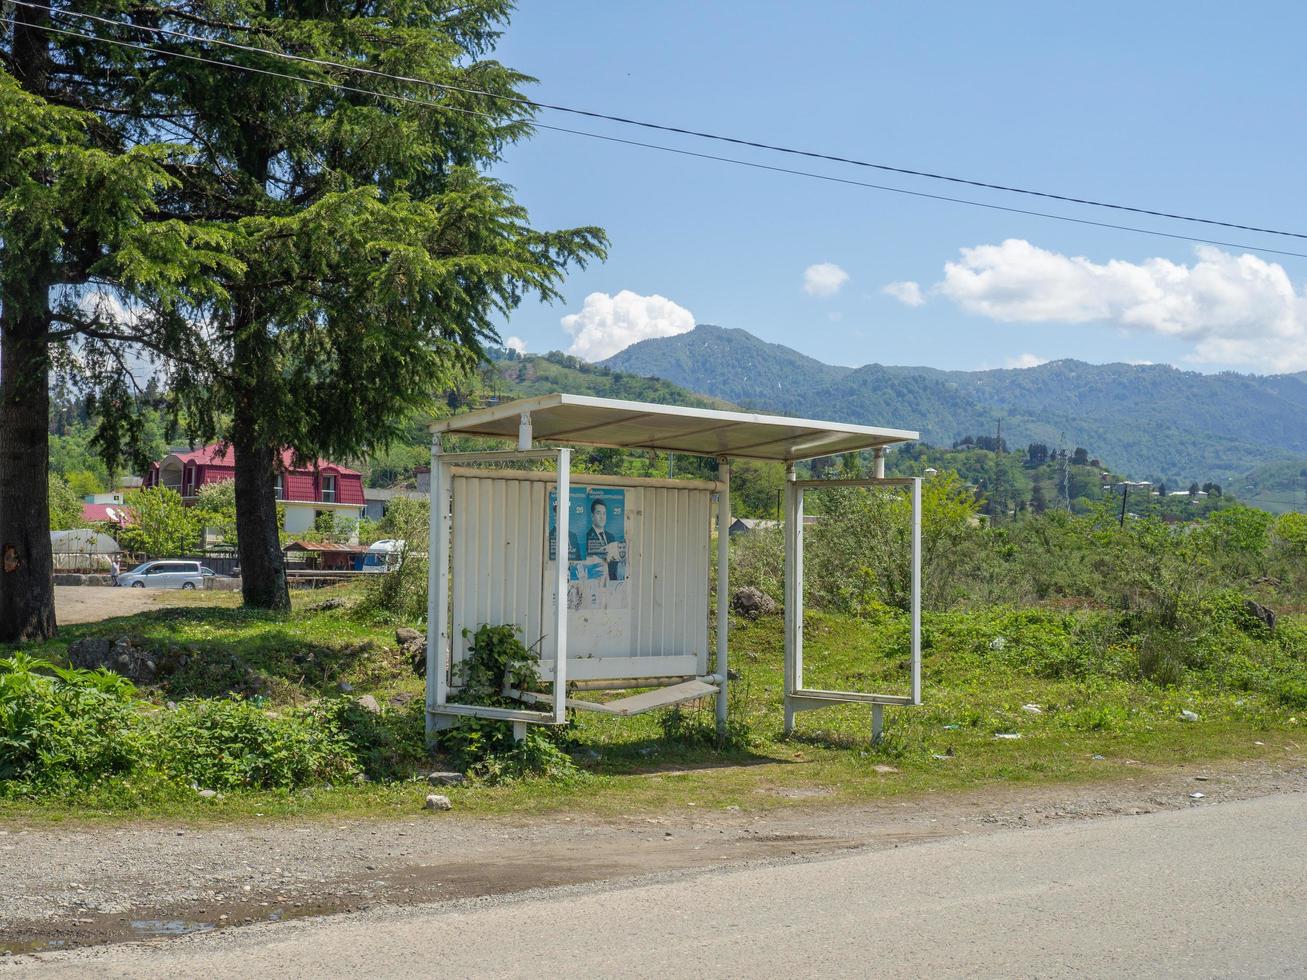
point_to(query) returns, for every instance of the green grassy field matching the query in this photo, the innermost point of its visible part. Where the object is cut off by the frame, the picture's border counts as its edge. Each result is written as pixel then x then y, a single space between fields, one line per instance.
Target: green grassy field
pixel 1096 718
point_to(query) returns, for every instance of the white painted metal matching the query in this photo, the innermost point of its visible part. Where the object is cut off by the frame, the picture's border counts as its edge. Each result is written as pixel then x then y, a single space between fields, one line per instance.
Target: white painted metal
pixel 561 521
pixel 500 545
pixel 437 588
pixel 637 704
pixel 524 432
pixel 582 420
pixel 797 698
pixel 791 603
pixel 916 591
pixel 723 589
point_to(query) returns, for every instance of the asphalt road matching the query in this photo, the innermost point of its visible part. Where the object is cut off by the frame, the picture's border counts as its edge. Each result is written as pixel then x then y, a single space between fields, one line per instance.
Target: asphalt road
pixel 1215 890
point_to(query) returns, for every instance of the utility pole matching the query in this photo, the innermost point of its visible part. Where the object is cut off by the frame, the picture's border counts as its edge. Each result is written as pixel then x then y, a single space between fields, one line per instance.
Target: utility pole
pixel 1125 495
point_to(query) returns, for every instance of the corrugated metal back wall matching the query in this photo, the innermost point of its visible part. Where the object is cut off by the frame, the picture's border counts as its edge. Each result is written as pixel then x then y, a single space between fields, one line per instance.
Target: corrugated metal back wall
pixel 500 528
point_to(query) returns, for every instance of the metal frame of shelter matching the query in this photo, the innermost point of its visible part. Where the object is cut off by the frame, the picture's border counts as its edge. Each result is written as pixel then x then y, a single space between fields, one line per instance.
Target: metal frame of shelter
pixel 600 422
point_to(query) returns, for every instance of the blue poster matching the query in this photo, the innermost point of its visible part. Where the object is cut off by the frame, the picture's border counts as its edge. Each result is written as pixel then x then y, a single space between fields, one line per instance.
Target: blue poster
pixel 577 524
pixel 596 546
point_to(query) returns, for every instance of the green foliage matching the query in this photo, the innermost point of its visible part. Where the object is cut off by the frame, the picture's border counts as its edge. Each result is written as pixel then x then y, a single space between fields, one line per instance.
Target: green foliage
pixel 163 524
pixel 235 744
pixel 215 508
pixel 63 727
pixel 401 593
pixel 495 659
pixel 84 483
pixel 65 505
pixel 859 552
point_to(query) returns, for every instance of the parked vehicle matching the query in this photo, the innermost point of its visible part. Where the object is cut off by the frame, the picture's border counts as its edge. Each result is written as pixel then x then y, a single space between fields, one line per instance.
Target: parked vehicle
pixel 167 575
pixel 382 555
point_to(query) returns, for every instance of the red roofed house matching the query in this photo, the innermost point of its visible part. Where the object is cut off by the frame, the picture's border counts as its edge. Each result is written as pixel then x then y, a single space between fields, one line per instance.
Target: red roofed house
pixel 306 491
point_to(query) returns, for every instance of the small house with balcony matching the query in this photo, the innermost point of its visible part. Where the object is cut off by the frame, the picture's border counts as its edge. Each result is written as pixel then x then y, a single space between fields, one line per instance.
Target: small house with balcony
pixel 305 491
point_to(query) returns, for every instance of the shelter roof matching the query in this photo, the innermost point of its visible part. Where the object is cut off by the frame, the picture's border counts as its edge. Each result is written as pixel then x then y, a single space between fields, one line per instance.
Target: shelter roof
pixel 583 420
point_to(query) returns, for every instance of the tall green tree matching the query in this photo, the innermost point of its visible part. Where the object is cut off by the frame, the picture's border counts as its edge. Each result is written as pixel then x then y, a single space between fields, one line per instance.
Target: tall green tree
pixel 373 250
pixel 90 272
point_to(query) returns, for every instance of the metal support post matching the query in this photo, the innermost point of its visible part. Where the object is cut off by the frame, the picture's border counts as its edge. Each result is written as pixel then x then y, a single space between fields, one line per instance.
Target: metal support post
pixel 723 589
pixel 877 723
pixel 791 602
pixel 524 432
pixel 561 522
pixel 437 589
pixel 916 590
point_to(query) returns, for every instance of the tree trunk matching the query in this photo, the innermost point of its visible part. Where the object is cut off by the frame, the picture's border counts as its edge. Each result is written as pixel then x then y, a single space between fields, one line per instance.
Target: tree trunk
pixel 258 541
pixel 26 564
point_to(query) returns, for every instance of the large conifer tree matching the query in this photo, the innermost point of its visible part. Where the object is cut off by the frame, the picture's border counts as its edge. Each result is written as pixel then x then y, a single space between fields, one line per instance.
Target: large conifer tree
pixel 81 241
pixel 374 249
pixel 367 250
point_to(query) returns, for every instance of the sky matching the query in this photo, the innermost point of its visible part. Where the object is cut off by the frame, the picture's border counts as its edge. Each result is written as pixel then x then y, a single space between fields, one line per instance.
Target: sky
pixel 1195 108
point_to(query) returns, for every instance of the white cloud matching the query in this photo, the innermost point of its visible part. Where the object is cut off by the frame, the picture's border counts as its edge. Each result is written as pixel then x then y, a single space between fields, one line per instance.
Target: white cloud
pixel 1232 309
pixel 607 324
pixel 835 316
pixel 515 343
pixel 1026 361
pixel 824 279
pixel 908 293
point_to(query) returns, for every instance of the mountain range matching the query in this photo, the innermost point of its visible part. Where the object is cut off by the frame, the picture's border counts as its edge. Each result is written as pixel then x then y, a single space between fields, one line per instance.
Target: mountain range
pixel 1150 421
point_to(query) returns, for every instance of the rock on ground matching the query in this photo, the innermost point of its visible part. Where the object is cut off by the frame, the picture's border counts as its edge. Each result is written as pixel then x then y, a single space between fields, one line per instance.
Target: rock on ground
pixel 752 602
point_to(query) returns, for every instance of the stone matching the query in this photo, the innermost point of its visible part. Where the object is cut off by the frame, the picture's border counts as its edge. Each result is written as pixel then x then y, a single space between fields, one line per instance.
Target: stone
pixel 1197 796
pixel 207 794
pixel 1032 709
pixel 884 768
pixel 368 703
pixel 436 801
pixel 1008 735
pixel 446 779
pixel 345 687
pixel 123 656
pixel 751 603
pixel 1265 614
pixel 1187 715
pixel 998 643
pixel 406 635
pixel 326 605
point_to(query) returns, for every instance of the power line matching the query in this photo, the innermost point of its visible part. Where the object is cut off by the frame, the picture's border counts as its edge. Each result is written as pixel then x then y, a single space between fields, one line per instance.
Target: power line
pixel 661 127
pixel 338 86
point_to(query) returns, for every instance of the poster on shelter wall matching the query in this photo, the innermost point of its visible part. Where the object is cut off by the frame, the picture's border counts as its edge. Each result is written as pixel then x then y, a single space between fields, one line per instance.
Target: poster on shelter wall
pixel 597 566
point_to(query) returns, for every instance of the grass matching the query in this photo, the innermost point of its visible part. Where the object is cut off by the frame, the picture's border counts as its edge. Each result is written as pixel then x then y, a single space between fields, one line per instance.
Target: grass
pixel 979 669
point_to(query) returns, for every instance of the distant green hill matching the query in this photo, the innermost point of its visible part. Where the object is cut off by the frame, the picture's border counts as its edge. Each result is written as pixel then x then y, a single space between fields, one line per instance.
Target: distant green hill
pixel 1152 421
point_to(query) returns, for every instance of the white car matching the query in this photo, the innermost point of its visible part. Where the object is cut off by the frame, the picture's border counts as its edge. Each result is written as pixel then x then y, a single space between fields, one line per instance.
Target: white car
pixel 383 555
pixel 167 575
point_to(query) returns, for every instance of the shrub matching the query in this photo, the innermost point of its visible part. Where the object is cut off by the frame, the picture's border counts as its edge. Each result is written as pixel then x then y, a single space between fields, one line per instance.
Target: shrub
pixel 234 744
pixel 63 727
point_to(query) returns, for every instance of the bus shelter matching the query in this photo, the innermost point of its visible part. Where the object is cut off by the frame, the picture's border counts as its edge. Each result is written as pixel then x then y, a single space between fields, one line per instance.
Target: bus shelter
pixel 607 578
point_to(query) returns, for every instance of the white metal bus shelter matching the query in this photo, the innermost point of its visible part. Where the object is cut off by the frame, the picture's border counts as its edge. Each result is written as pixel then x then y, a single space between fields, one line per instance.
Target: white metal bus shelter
pixel 607 577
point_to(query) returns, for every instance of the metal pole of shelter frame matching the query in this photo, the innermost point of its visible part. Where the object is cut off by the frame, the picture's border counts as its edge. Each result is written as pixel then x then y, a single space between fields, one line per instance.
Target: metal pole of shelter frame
pixel 723 589
pixel 562 529
pixel 916 590
pixel 437 589
pixel 791 601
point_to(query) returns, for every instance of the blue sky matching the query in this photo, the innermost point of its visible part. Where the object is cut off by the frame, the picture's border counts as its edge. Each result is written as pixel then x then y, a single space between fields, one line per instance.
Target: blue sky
pixel 1194 107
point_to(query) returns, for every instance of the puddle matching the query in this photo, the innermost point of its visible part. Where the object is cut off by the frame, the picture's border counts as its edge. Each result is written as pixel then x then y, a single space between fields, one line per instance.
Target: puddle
pixel 157 928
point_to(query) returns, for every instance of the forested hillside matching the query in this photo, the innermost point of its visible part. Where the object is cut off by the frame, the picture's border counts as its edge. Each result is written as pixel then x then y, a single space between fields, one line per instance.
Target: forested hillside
pixel 1153 421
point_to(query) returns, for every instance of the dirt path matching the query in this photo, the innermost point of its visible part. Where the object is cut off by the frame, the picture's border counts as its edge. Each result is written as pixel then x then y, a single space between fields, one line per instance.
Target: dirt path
pixel 91 603
pixel 71 887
